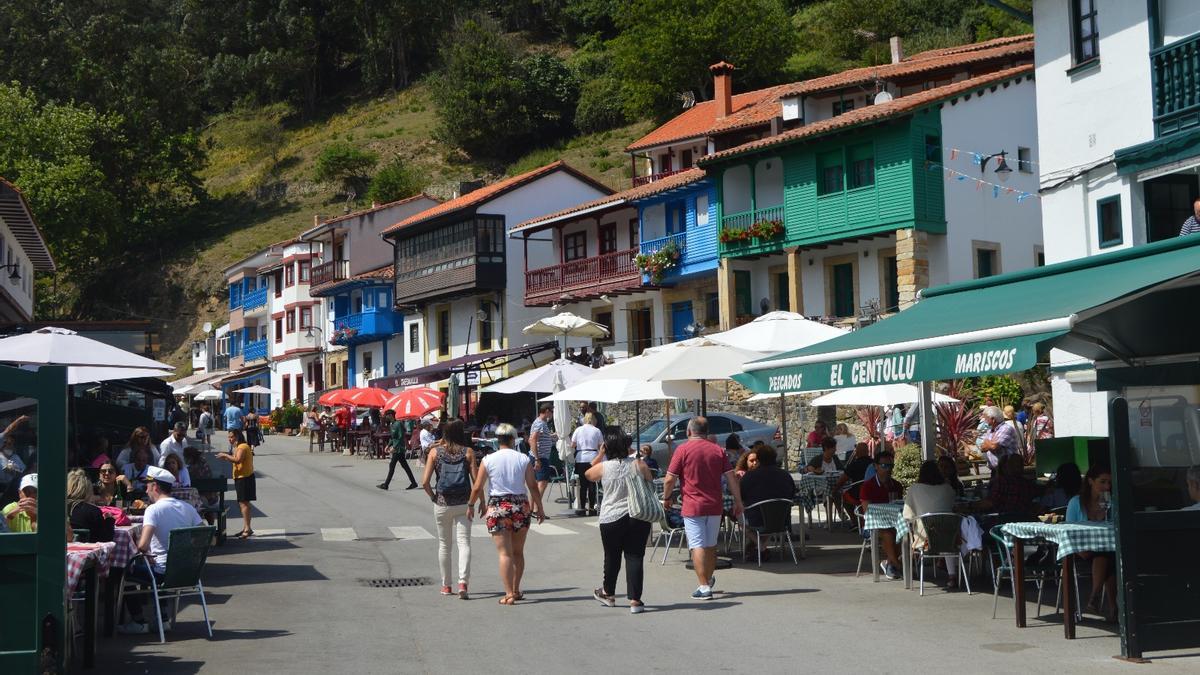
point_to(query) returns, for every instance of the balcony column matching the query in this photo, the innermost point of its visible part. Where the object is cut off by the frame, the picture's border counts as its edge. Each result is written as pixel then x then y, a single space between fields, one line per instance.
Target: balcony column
pixel 912 264
pixel 795 280
pixel 726 293
pixel 753 204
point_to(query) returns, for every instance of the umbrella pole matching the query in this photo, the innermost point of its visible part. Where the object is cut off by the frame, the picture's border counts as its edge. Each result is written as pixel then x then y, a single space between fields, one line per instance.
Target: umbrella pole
pixel 703 398
pixel 783 428
pixel 637 421
pixel 667 412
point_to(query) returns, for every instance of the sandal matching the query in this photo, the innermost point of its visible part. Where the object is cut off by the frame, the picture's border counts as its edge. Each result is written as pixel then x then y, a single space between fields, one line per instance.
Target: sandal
pixel 245 534
pixel 506 600
pixel 518 597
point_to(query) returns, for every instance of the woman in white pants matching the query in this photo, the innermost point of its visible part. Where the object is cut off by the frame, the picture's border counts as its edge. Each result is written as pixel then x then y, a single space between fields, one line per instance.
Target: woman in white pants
pixel 453 460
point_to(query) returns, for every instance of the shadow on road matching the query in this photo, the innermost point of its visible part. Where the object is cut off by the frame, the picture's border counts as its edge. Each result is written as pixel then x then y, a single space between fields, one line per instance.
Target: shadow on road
pixel 223 575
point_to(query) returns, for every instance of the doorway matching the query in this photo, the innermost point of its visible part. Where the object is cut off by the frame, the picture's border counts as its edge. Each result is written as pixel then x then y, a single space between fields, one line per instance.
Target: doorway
pixel 641 332
pixel 1168 203
pixel 681 318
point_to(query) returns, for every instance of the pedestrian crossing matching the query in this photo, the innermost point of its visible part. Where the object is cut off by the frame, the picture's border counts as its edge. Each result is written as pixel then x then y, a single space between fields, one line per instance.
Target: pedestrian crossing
pixel 406 533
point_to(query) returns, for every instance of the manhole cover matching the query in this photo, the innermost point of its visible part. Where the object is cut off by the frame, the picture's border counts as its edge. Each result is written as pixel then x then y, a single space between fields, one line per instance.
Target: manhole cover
pixel 395 582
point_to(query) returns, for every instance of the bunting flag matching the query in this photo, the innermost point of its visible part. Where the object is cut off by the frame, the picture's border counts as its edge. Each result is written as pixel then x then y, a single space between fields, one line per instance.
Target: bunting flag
pixel 953 153
pixel 979 182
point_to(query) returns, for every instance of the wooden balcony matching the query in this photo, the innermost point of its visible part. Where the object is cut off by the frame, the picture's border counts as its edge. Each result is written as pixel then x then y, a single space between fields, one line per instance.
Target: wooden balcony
pixel 334 270
pixel 744 220
pixel 583 278
pixel 642 180
pixel 1175 73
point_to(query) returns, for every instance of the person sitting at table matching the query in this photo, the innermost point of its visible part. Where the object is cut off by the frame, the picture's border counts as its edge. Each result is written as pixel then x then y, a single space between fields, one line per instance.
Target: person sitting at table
pixel 766 481
pixel 1067 481
pixel 647 457
pixel 139 439
pixel 108 489
pixel 930 494
pixel 82 513
pixel 21 515
pixel 1193 487
pixel 164 514
pixel 174 464
pixel 197 467
pixel 819 432
pixel 748 462
pixel 1091 506
pixel 881 489
pixel 845 440
pixel 855 472
pixel 734 448
pixel 135 471
pixel 1010 491
pixel 949 470
pixel 827 461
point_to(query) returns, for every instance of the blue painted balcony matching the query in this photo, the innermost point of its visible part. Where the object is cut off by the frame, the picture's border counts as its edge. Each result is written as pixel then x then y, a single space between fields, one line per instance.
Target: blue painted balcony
pixel 256 350
pixel 256 299
pixel 697 247
pixel 366 326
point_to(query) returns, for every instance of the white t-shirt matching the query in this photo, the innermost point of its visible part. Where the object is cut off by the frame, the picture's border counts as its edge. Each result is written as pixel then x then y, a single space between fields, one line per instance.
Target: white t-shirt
pixel 125 457
pixel 165 515
pixel 587 440
pixel 506 472
pixel 427 439
pixel 845 445
pixel 206 423
pixel 170 446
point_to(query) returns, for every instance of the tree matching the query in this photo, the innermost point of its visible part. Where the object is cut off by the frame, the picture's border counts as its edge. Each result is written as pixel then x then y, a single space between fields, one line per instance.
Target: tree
pixel 666 46
pixel 600 106
pixel 347 165
pixel 394 182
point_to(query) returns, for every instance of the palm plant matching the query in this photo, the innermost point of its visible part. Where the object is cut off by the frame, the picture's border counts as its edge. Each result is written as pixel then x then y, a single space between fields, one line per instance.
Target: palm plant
pixel 869 416
pixel 956 422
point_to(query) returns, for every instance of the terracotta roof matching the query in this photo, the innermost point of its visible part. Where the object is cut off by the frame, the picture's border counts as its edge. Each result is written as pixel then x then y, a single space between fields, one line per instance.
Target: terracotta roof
pixel 631 195
pixel 388 271
pixel 940 59
pixel 489 192
pixel 16 214
pixel 363 212
pixel 876 113
pixel 701 119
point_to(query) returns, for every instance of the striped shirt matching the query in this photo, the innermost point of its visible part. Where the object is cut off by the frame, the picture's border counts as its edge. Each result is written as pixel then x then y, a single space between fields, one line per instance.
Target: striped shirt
pixel 1190 226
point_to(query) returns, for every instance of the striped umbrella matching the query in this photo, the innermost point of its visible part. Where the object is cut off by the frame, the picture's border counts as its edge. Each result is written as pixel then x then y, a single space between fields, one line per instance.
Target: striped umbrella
pixel 413 403
pixel 334 397
pixel 369 397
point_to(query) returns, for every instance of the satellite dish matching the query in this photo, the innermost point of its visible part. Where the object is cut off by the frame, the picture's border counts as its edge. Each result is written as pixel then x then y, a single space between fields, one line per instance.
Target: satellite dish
pixel 882 97
pixel 207 326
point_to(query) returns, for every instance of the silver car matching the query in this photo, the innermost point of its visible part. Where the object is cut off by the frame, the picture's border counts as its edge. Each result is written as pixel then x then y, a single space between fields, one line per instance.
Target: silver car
pixel 720 425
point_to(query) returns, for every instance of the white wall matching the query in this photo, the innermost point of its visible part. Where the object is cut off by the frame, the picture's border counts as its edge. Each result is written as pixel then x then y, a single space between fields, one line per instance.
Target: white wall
pixel 768 182
pixel 736 189
pixel 654 221
pixel 1000 120
pixel 364 249
pixel 396 354
pixel 1179 18
pixel 620 328
pixel 19 291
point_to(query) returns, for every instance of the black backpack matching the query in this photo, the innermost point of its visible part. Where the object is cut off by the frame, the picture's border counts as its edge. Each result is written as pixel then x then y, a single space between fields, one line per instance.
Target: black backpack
pixel 453 477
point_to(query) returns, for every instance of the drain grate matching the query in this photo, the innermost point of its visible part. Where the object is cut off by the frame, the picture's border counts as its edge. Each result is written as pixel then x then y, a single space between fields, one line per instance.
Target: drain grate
pixel 396 582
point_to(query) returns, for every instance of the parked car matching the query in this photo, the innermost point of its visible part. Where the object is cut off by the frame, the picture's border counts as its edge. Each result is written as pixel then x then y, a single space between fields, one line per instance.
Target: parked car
pixel 720 425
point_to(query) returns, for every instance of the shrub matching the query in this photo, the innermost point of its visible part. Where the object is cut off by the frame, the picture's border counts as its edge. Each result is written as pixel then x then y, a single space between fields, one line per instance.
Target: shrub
pixel 394 182
pixel 601 106
pixel 908 463
pixel 345 164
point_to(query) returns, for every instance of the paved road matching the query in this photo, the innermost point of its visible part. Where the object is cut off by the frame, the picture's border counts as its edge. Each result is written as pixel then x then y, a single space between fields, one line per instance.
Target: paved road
pixel 292 600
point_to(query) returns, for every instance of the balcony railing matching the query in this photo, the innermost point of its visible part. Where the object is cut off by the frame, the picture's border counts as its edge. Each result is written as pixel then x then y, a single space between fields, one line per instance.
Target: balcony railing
pixel 368 326
pixel 255 350
pixel 679 239
pixel 642 180
pixel 334 270
pixel 583 277
pixel 1175 70
pixel 254 299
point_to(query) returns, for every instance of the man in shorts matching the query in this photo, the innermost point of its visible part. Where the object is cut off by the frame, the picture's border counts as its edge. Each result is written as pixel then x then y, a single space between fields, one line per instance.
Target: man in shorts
pixel 697 466
pixel 541 440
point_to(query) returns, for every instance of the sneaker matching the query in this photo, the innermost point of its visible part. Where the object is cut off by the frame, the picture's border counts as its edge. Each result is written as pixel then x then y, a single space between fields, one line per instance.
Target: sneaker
pixel 888 571
pixel 133 628
pixel 712 582
pixel 462 592
pixel 702 593
pixel 636 609
pixel 382 486
pixel 606 600
pixel 446 590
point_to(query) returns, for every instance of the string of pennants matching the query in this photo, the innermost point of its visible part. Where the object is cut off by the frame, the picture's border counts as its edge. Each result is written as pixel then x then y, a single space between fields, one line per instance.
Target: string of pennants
pixel 980 184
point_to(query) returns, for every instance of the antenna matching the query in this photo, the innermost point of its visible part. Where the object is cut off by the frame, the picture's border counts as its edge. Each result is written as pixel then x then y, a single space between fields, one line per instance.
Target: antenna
pixel 687 98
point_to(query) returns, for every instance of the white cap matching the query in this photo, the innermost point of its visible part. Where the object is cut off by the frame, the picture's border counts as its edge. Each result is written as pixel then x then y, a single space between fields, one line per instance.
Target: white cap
pixel 29 481
pixel 160 474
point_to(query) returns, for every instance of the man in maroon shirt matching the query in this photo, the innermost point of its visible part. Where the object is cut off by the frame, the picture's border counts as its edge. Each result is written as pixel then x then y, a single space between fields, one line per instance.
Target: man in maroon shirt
pixel 697 466
pixel 881 489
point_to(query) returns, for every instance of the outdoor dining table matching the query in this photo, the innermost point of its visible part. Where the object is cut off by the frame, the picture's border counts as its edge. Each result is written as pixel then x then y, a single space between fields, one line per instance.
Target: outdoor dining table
pixel 882 517
pixel 1071 538
pixel 814 488
pixel 88 562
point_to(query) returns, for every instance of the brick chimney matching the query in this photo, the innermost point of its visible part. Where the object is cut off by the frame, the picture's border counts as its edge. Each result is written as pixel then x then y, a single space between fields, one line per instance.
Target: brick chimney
pixel 722 73
pixel 897 49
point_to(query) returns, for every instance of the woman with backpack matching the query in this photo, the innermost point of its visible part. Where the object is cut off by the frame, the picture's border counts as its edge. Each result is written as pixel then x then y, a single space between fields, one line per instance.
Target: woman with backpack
pixel 453 460
pixel 620 533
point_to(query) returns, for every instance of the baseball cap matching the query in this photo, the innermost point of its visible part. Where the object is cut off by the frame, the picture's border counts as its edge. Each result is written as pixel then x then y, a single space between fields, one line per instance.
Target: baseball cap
pixel 157 473
pixel 29 481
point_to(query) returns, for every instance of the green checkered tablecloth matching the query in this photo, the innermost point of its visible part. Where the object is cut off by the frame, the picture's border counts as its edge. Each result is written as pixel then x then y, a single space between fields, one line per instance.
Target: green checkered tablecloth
pixel 884 516
pixel 813 488
pixel 1070 537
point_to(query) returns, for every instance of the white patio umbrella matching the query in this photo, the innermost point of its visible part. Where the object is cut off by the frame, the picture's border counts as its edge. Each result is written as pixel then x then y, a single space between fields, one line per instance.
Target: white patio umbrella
pixel 615 391
pixel 566 324
pixel 62 347
pixel 85 374
pixel 209 395
pixel 256 389
pixel 542 378
pixel 881 395
pixel 564 425
pixel 777 332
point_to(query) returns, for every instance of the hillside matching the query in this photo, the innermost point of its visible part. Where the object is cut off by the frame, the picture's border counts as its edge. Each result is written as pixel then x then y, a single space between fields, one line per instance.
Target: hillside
pixel 260 172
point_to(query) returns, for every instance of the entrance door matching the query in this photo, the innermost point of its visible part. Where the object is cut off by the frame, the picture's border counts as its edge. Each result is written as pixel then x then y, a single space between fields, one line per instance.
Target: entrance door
pixel 741 291
pixel 287 389
pixel 1168 203
pixel 640 330
pixel 681 318
pixel 843 290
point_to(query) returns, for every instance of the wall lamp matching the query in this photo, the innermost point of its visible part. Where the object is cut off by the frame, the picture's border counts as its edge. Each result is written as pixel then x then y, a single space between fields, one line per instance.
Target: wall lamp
pixel 1002 168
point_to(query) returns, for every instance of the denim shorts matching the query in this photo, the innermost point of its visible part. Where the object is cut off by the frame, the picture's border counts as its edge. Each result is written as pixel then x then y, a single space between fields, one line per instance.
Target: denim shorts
pixel 701 530
pixel 543 472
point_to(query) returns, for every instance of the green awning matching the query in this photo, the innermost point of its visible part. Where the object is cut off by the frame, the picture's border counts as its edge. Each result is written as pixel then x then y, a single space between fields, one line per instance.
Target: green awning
pixel 1005 323
pixel 1158 152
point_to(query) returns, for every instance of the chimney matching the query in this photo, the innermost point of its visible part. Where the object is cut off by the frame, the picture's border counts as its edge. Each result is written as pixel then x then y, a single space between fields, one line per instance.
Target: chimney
pixel 316 220
pixel 722 73
pixel 467 187
pixel 897 49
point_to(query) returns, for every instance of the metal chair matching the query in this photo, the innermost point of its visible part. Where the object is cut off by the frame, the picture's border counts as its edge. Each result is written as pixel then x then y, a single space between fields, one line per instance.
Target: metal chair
pixel 670 535
pixel 808 454
pixel 859 515
pixel 776 515
pixel 187 551
pixel 1002 564
pixel 941 535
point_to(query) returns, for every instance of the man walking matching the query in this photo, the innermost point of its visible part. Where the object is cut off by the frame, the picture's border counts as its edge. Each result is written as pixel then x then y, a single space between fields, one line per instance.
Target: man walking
pixel 174 444
pixel 235 417
pixel 398 443
pixel 541 439
pixel 697 466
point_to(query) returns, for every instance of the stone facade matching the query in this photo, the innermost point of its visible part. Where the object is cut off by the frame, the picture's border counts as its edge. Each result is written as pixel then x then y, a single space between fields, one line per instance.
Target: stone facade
pixel 912 264
pixel 694 290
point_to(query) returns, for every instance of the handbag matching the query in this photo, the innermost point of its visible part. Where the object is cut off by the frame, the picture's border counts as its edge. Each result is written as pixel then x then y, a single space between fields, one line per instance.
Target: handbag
pixel 643 503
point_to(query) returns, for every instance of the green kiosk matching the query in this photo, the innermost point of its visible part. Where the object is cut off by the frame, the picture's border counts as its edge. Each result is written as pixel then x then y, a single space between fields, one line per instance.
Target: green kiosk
pixel 33 565
pixel 1134 312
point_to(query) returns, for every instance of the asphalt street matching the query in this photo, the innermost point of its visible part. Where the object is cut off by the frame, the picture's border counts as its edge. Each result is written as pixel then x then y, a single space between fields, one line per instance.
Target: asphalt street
pixel 294 599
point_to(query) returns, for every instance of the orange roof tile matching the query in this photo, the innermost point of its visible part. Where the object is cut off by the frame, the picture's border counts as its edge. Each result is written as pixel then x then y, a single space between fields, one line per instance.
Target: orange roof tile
pixel 876 113
pixel 632 194
pixel 489 192
pixel 388 271
pixel 701 119
pixel 363 212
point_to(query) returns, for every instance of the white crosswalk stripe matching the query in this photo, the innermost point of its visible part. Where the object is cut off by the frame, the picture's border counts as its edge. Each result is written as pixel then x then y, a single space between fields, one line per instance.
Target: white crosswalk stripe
pixel 418 533
pixel 547 528
pixel 338 534
pixel 410 532
pixel 270 534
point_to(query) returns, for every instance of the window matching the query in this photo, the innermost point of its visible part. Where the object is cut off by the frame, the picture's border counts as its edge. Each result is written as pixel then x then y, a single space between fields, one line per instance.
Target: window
pixel 368 370
pixel 720 425
pixel 830 164
pixel 634 238
pixel 305 266
pixel 743 305
pixel 702 210
pixel 604 318
pixel 485 326
pixel 987 259
pixel 414 338
pixel 843 106
pixel 299 387
pixel 676 217
pixel 1085 41
pixel 289 272
pixel 862 166
pixel 933 149
pixel 278 282
pixel 664 163
pixel 891 284
pixel 1024 160
pixel 712 309
pixel 305 318
pixel 843 289
pixel 1169 202
pixel 1108 220
pixel 333 374
pixel 574 246
pixel 291 321
pixel 608 238
pixel 279 329
pixel 685 159
pixel 443 332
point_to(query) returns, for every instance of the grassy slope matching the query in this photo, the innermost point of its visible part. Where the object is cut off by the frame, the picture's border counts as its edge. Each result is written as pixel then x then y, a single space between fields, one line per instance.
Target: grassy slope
pixel 260 172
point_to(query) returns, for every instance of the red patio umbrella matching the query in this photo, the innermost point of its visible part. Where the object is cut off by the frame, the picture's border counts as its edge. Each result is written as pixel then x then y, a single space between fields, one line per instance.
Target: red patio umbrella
pixel 412 403
pixel 334 397
pixel 368 397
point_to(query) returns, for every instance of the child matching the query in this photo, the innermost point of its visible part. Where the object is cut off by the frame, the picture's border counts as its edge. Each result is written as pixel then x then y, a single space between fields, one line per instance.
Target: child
pixel 647 455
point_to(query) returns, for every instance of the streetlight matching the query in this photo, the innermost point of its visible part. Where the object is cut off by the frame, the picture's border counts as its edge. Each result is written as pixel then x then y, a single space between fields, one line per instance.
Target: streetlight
pixel 320 349
pixel 1003 170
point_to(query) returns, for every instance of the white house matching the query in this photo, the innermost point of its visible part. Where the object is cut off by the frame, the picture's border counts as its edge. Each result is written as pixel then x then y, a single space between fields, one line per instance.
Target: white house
pixel 1119 137
pixel 293 348
pixel 23 252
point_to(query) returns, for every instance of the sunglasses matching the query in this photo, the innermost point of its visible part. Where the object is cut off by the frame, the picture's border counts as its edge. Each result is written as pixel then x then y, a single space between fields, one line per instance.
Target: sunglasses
pixel 108 471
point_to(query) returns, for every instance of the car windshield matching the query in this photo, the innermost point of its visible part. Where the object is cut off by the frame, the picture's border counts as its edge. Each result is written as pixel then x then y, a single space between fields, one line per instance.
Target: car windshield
pixel 651 431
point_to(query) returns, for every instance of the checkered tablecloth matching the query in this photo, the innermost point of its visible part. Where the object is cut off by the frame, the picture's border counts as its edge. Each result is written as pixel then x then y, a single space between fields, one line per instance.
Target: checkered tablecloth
pixel 884 516
pixel 189 495
pixel 1070 537
pixel 125 538
pixel 78 555
pixel 814 488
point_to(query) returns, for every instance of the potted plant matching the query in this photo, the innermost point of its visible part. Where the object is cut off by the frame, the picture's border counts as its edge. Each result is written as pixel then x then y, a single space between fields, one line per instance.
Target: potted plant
pixel 292 415
pixel 657 263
